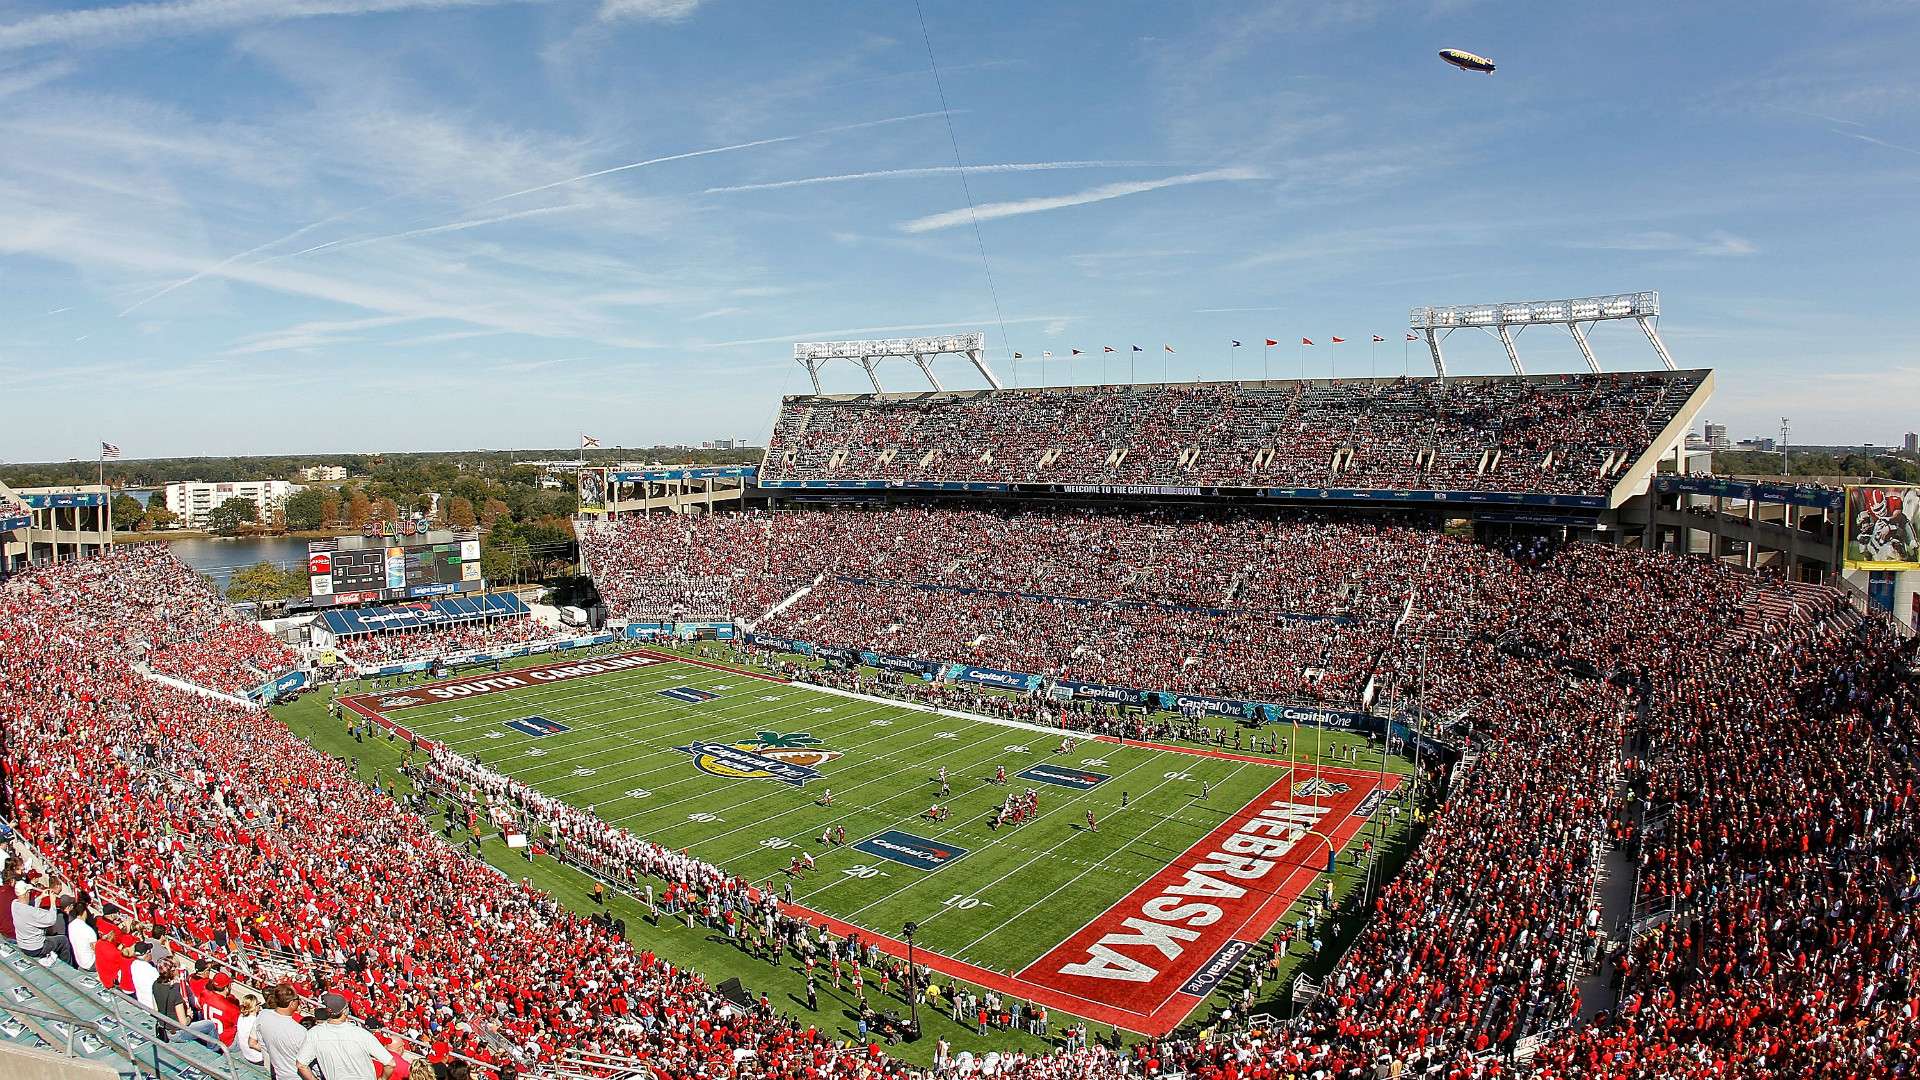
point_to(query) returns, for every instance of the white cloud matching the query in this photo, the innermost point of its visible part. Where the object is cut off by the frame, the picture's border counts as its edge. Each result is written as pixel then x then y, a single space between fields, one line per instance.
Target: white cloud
pixel 1713 245
pixel 940 170
pixel 661 10
pixel 992 211
pixel 133 22
pixel 855 331
pixel 21 79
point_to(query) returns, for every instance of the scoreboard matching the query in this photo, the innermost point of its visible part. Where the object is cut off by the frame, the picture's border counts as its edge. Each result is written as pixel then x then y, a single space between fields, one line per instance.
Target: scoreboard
pixel 360 569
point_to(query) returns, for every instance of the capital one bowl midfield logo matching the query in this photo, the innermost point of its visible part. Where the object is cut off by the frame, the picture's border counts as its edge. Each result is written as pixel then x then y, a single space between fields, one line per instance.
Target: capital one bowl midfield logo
pixel 790 758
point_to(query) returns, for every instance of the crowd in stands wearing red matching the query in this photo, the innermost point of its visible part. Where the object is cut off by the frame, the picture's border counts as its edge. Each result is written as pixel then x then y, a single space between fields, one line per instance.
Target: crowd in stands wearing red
pixel 1762 782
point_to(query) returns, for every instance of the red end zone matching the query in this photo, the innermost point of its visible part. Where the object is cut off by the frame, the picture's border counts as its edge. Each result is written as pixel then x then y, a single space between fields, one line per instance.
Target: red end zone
pixel 1164 947
pixel 1148 961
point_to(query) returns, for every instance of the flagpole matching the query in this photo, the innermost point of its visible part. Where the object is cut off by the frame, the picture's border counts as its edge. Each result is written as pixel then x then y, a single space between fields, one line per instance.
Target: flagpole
pixel 1266 356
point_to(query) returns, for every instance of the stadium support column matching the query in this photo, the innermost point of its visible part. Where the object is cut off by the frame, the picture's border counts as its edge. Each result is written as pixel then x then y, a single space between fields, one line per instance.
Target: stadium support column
pixel 871 365
pixel 1586 350
pixel 979 359
pixel 926 368
pixel 1653 338
pixel 1513 350
pixel 1433 346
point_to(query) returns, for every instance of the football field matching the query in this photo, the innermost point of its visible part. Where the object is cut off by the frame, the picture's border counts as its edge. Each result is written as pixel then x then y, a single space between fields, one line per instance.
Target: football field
pixel 1195 853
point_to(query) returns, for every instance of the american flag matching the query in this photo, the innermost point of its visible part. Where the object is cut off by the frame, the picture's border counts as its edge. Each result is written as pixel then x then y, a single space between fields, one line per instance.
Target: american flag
pixel 109 452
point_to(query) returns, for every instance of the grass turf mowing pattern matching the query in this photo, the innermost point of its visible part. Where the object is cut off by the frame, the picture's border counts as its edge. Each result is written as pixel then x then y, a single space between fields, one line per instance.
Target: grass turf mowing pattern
pixel 1014 896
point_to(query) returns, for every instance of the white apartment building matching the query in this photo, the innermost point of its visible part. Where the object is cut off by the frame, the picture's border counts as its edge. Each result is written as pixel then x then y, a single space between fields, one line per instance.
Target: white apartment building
pixel 323 473
pixel 194 500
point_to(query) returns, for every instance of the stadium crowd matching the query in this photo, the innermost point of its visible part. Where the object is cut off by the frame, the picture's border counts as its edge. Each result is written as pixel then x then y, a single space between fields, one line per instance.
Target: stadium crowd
pixel 146 603
pixel 478 636
pixel 1762 785
pixel 1569 434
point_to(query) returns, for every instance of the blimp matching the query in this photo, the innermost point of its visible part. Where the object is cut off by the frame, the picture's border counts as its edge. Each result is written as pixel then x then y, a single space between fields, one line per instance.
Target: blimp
pixel 1467 61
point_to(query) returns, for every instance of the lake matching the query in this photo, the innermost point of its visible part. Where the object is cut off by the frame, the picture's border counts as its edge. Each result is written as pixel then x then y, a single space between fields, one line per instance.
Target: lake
pixel 218 559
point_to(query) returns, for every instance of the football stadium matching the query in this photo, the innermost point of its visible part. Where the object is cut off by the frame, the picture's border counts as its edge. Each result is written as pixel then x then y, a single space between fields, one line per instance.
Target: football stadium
pixel 955 722
pixel 1303 726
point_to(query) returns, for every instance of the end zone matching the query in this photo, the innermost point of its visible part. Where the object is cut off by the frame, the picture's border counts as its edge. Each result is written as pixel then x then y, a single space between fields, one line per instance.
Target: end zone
pixel 1170 941
pixel 1159 951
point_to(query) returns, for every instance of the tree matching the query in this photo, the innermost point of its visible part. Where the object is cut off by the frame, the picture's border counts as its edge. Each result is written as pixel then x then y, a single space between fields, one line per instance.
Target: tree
pixel 306 508
pixel 329 507
pixel 504 556
pixel 359 509
pixel 127 511
pixel 264 581
pixel 157 517
pixel 229 516
pixel 460 513
pixel 492 511
pixel 387 510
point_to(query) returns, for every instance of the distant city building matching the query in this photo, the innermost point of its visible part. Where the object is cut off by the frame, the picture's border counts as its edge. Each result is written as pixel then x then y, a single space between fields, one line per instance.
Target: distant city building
pixel 323 473
pixel 1716 437
pixel 194 500
pixel 1766 444
pixel 1911 443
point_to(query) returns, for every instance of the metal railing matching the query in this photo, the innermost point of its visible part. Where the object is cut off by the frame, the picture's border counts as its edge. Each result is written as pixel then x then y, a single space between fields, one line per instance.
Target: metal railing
pixel 137 1046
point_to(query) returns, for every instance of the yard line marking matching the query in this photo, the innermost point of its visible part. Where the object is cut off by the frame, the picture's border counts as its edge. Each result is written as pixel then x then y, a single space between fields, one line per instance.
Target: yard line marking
pixel 1090 869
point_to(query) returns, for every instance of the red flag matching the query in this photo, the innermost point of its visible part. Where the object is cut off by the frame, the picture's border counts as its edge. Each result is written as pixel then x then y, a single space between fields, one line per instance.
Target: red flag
pixel 1271 342
pixel 1106 348
pixel 1306 341
pixel 1377 337
pixel 1339 341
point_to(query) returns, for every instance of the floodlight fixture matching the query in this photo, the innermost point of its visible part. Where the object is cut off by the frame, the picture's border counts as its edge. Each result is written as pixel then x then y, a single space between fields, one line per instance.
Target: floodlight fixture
pixel 920 351
pixel 1501 320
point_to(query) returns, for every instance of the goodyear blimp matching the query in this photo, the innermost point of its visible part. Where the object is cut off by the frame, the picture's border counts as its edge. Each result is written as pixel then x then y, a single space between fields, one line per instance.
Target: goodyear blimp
pixel 1467 61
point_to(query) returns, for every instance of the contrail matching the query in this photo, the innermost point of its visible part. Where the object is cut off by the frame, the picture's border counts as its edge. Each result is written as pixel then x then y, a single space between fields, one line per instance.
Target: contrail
pixel 231 259
pixel 452 226
pixel 642 165
pixel 990 211
pixel 1877 142
pixel 710 150
pixel 941 170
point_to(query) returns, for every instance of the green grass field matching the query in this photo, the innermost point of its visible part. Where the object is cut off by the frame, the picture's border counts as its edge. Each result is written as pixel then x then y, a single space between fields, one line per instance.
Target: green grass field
pixel 1015 894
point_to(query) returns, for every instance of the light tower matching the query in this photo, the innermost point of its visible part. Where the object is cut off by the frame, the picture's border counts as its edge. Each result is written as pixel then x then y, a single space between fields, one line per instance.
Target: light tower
pixel 920 351
pixel 1506 321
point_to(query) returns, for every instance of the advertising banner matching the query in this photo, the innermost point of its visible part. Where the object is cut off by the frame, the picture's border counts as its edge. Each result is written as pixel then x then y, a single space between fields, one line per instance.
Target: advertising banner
pixel 1332 719
pixel 1883 527
pixel 897 663
pixel 1210 706
pixel 1005 680
pixel 1112 695
pixel 593 491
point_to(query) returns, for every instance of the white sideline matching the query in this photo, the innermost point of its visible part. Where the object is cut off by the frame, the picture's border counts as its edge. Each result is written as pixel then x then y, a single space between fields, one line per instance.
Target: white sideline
pixel 1078 736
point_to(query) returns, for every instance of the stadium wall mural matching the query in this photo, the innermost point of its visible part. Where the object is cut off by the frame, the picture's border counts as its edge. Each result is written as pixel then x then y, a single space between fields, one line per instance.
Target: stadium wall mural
pixel 1883 527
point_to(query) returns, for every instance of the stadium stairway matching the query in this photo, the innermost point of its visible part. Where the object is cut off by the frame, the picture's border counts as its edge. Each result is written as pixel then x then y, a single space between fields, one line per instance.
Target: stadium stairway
pixel 54 1008
pixel 785 604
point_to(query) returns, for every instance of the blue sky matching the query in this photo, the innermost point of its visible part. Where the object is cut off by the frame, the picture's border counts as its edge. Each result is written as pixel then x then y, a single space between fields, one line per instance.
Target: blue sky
pixel 258 226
